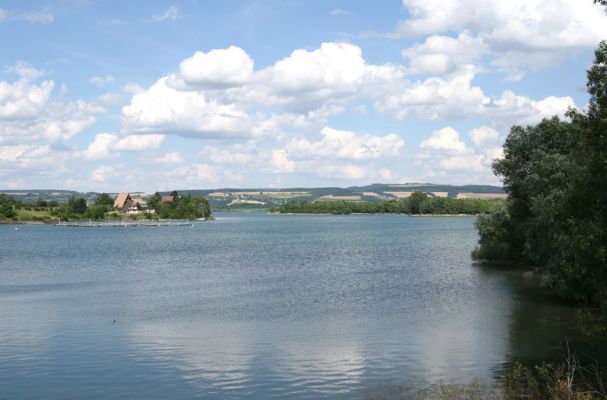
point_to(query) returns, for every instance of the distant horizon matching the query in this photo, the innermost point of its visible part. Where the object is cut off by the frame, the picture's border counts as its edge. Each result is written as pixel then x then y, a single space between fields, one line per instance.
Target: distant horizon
pixel 219 188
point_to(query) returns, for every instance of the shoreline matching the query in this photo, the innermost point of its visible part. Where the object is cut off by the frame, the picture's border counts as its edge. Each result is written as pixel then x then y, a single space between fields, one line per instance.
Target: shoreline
pixel 26 223
pixel 108 221
pixel 408 215
pixel 54 222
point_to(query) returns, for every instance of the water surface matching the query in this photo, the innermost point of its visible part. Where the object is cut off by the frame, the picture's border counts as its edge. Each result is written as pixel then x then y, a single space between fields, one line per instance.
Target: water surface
pixel 259 306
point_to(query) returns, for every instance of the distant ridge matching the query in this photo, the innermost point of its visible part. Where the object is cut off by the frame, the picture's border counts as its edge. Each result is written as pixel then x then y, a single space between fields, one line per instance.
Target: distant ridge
pixel 271 195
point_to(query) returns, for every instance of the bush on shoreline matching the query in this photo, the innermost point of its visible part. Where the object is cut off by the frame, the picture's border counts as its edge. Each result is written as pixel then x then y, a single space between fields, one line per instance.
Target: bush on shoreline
pixel 418 204
pixel 567 380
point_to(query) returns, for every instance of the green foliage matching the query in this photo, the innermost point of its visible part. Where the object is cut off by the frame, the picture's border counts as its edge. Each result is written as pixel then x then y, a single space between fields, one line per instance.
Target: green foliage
pixel 97 212
pixel 76 205
pixel 103 204
pixel 555 173
pixel 562 381
pixel 154 201
pixel 104 199
pixel 7 204
pixel 438 391
pixel 183 207
pixel 494 228
pixel 415 201
pixel 41 202
pixel 412 205
pixel 597 83
pixel 567 380
pixel 34 215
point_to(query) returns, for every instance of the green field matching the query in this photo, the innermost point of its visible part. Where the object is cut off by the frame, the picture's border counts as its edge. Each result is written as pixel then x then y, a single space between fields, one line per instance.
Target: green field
pixel 34 216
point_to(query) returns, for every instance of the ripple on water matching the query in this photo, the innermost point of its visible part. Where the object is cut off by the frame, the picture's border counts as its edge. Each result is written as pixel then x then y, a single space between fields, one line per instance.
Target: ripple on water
pixel 254 306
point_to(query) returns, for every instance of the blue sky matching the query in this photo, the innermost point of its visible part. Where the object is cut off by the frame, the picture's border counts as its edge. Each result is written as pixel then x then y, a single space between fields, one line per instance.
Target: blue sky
pixel 112 96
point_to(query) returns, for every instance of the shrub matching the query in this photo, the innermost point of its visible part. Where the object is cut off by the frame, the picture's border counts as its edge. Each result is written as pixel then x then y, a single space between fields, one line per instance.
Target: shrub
pixel 494 230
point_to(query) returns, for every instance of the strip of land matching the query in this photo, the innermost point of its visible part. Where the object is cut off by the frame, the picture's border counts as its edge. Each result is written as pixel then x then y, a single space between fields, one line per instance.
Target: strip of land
pixel 416 204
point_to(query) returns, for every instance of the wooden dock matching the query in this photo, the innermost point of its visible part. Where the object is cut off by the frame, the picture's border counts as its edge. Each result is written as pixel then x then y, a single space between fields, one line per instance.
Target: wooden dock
pixel 124 224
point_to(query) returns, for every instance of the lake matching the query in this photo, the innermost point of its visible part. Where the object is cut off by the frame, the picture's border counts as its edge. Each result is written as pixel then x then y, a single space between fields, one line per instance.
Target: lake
pixel 260 306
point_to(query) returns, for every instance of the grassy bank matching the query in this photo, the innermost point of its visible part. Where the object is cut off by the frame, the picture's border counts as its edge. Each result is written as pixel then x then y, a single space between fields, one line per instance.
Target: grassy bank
pixel 568 380
pixel 32 216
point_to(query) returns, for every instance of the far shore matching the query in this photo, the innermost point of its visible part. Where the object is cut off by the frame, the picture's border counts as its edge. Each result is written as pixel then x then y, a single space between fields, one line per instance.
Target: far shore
pixel 52 222
pixel 409 215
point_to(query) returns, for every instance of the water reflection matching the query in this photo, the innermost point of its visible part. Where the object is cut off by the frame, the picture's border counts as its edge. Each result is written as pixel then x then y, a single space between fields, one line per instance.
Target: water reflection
pixel 261 359
pixel 257 306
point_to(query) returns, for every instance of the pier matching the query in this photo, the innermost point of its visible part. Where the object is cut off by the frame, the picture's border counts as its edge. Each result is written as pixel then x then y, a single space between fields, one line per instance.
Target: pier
pixel 124 224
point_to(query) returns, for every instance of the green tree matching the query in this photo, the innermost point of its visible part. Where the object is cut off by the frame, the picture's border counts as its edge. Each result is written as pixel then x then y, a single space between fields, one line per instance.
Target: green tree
pixel 76 205
pixel 154 201
pixel 556 219
pixel 494 230
pixel 96 212
pixel 7 206
pixel 204 209
pixel 104 199
pixel 415 201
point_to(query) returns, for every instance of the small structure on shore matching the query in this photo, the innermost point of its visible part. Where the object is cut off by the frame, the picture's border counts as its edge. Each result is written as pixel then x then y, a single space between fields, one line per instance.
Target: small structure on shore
pixel 126 204
pixel 121 200
pixel 167 199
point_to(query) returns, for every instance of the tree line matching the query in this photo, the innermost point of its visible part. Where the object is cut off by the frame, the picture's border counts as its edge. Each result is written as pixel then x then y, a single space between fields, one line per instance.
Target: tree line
pixel 556 219
pixel 417 203
pixel 182 207
pixel 77 208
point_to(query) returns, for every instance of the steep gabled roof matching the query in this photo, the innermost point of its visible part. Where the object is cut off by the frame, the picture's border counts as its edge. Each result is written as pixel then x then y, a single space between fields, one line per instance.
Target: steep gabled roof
pixel 121 199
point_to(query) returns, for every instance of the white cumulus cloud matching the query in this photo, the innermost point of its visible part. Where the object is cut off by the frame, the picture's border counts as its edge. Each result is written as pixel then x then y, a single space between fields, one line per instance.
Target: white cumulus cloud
pixel 139 143
pixel 281 163
pixel 455 97
pixel 346 144
pixel 29 113
pixel 306 79
pixel 219 68
pixel 103 173
pixel 23 99
pixel 100 147
pixel 519 33
pixel 484 134
pixel 441 54
pixel 163 109
pixel 106 144
pixel 445 140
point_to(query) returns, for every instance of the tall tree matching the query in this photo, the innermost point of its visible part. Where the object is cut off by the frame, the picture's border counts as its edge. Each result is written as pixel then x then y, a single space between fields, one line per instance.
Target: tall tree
pixel 6 206
pixel 556 219
pixel 104 199
pixel 415 201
